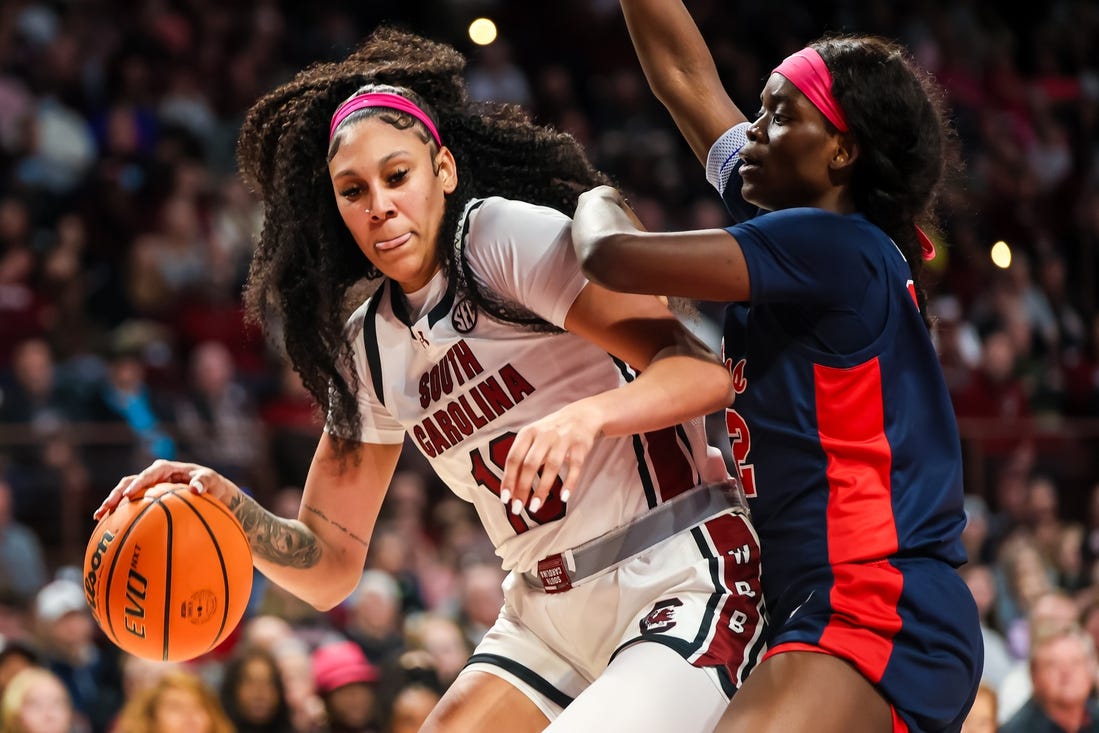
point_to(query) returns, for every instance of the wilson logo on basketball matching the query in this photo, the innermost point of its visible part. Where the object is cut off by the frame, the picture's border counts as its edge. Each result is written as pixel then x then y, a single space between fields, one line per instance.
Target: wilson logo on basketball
pixel 92 577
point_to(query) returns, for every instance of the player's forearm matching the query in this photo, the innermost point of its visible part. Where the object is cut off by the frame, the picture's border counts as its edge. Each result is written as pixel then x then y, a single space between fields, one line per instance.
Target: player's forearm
pixel 293 556
pixel 680 384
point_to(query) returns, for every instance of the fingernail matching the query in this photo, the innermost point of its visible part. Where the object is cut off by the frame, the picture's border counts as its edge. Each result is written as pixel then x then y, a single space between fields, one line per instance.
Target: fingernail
pixel 198 486
pixel 516 506
pixel 565 495
pixel 535 503
pixel 505 495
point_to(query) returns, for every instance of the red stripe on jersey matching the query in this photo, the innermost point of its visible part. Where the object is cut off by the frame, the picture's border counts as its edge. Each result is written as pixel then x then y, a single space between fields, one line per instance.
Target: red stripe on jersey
pixel 899 726
pixel 864 619
pixel 674 471
pixel 738 623
pixel 851 428
pixel 861 525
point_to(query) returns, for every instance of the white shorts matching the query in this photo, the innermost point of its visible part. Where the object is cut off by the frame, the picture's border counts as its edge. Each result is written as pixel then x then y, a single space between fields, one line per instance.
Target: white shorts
pixel 696 593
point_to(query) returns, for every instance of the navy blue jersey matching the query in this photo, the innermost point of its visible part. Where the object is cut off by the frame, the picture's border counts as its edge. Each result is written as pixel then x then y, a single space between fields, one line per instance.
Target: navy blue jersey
pixel 842 427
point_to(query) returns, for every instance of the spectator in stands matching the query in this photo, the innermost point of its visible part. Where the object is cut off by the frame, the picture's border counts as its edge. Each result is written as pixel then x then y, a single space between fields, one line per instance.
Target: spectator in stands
pixel 479 599
pixel 15 656
pixel 253 694
pixel 347 682
pixel 70 646
pixel 494 76
pixel 295 662
pixel 217 420
pixel 15 617
pixel 139 673
pixel 994 393
pixel 178 702
pixel 977 535
pixel 998 660
pixel 391 552
pixel 374 619
pixel 982 716
pixel 1063 673
pixel 125 399
pixel 1053 608
pixel 410 708
pixel 172 262
pixel 408 692
pixel 293 423
pixel 22 558
pixel 1080 368
pixel 21 306
pixel 1024 576
pixel 33 396
pixel 36 407
pixel 443 638
pixel 36 701
pixel 1043 515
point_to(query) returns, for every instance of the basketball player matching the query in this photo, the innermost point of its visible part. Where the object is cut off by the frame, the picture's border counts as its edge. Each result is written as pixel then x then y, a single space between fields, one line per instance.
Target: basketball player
pixel 842 427
pixel 632 562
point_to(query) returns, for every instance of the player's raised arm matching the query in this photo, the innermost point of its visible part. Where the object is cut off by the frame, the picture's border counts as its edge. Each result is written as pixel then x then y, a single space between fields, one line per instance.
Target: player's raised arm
pixel 681 71
pixel 614 252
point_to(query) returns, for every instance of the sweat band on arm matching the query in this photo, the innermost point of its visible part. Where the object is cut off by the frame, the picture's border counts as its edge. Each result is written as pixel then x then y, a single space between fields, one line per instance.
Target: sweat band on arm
pixel 723 155
pixel 382 99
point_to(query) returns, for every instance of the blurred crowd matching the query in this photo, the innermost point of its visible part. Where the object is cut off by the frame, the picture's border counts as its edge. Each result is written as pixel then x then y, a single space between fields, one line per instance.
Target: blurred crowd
pixel 125 238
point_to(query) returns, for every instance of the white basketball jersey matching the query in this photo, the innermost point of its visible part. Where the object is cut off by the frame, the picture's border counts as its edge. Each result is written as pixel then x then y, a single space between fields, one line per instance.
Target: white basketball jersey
pixel 461 384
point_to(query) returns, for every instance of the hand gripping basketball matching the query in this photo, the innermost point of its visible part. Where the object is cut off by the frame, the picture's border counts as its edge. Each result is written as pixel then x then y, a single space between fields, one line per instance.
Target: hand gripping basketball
pixel 168 574
pixel 199 478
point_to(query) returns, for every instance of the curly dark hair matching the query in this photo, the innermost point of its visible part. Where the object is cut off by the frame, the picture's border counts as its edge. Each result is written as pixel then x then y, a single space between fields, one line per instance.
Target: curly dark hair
pixel 898 115
pixel 306 261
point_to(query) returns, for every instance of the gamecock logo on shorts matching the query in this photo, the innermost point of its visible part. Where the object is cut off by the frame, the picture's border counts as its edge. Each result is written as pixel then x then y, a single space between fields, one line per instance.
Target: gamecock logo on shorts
pixel 464 316
pixel 661 618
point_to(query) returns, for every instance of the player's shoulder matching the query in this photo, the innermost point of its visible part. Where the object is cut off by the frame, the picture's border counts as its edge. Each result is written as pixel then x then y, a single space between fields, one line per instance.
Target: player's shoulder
pixel 812 224
pixel 497 214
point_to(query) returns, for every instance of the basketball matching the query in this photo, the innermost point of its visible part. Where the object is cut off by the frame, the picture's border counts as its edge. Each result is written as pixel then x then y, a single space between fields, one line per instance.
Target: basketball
pixel 168 575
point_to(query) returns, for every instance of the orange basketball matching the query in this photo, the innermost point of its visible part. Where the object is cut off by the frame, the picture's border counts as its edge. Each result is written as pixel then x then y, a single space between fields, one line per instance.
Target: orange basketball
pixel 168 575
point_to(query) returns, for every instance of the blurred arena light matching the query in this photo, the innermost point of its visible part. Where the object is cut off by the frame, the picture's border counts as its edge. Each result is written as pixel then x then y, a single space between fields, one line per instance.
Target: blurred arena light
pixel 1001 255
pixel 482 31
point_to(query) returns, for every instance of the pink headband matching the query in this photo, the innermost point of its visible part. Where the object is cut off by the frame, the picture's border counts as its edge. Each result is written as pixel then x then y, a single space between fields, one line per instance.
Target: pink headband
pixel 381 99
pixel 806 70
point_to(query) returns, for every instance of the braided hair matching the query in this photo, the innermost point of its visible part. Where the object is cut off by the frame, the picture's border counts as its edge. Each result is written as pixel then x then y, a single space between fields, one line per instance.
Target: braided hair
pixel 907 147
pixel 306 263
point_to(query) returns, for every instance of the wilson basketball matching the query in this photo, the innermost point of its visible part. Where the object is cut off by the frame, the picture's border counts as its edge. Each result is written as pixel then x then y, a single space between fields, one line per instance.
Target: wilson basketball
pixel 168 575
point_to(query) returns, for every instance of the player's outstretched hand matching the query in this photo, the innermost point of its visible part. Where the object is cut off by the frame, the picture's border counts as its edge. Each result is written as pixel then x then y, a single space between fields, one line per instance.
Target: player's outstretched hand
pixel 557 445
pixel 200 478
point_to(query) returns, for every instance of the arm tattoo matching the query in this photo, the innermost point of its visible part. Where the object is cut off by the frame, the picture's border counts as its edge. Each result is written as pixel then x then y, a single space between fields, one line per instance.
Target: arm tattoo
pixel 337 525
pixel 278 540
